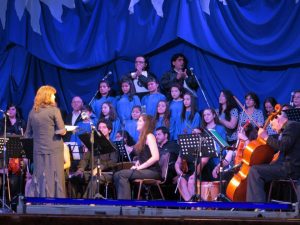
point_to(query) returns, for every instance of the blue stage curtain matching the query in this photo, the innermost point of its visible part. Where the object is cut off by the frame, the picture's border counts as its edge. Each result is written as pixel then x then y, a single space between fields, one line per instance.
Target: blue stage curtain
pixel 242 46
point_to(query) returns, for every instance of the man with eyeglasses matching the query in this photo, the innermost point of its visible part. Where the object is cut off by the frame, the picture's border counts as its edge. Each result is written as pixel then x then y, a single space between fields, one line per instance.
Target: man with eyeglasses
pixel 287 167
pixel 141 75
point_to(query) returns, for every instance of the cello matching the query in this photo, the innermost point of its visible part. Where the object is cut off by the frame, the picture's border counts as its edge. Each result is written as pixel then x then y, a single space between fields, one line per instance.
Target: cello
pixel 255 153
pixel 240 144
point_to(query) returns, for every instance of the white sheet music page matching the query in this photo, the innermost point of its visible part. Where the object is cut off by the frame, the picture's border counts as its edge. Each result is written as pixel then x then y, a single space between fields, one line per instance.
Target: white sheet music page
pixel 74 147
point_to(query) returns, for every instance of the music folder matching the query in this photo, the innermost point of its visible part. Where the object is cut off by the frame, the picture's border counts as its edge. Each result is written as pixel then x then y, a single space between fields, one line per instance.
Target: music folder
pixel 101 144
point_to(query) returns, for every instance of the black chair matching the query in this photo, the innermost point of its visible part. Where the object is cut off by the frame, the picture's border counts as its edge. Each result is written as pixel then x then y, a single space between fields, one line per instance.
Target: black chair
pixel 294 186
pixel 148 183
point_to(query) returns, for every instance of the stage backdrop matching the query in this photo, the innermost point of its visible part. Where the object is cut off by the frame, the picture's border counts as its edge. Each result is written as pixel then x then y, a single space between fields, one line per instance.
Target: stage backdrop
pixel 246 45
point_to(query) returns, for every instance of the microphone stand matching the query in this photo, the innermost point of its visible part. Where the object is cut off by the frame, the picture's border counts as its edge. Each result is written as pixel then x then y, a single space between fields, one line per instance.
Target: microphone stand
pixel 98 175
pixel 221 196
pixel 104 78
pixel 92 140
pixel 123 144
pixel 3 210
pixel 200 86
pixel 92 100
pixel 197 197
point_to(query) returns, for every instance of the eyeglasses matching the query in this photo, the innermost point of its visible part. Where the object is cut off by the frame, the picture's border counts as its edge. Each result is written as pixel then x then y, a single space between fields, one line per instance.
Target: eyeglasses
pixel 141 62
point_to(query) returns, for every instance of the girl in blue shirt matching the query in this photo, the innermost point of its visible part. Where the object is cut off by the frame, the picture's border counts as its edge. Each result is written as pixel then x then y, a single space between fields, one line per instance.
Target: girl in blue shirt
pixel 127 100
pixel 105 91
pixel 130 125
pixel 109 113
pixel 189 118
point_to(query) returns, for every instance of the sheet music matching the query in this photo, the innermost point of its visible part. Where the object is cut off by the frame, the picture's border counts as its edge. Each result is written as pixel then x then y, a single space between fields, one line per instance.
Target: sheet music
pixel 223 143
pixel 74 149
pixel 70 128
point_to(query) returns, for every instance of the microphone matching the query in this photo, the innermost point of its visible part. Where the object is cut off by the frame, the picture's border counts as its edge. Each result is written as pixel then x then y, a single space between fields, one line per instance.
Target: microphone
pixel 84 115
pixel 107 75
pixel 291 100
pixel 4 113
pixel 192 71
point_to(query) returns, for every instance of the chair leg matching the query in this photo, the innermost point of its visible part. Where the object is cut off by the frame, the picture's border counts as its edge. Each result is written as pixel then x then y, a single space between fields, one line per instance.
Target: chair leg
pixel 139 192
pixel 270 191
pixel 161 193
pixel 106 190
pixel 294 188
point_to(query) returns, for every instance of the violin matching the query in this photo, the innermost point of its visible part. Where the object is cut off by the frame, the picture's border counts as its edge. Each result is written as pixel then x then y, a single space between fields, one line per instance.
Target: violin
pixel 184 166
pixel 255 153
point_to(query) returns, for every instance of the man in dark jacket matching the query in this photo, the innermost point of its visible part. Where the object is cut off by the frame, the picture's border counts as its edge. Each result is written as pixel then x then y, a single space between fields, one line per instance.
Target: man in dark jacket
pixel 288 143
pixel 179 74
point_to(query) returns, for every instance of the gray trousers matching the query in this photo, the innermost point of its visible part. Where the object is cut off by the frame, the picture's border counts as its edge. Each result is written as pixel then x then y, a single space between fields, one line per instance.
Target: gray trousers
pixel 122 180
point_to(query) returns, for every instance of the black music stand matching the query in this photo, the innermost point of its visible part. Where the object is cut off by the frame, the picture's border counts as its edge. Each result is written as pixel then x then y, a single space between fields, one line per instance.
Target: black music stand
pixel 99 145
pixel 13 147
pixel 27 146
pixel 293 114
pixel 197 146
pixel 123 154
pixel 224 146
pixel 76 154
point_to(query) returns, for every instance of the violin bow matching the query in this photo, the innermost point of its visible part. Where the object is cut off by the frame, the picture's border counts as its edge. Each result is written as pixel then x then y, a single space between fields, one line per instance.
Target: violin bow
pixel 244 110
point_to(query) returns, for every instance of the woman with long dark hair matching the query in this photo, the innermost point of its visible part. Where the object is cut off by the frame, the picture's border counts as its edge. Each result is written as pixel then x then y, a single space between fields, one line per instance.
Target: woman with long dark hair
pixel 228 115
pixel 189 119
pixel 147 157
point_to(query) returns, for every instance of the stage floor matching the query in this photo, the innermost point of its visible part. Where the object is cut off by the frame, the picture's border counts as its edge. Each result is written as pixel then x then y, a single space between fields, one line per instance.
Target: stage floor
pixel 91 211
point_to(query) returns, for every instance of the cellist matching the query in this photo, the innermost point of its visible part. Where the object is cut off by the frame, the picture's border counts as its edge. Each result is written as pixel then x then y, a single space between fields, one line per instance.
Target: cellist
pixel 289 167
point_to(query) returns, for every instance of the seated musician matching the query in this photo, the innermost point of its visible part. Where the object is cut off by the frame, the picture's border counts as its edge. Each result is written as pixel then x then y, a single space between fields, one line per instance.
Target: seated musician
pixel 209 166
pixel 289 167
pixel 246 133
pixel 165 146
pixel 15 125
pixel 211 171
pixel 82 175
pixel 147 157
pixel 185 170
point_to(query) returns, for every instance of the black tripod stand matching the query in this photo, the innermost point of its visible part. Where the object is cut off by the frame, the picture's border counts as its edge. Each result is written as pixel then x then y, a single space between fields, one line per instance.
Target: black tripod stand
pixel 196 146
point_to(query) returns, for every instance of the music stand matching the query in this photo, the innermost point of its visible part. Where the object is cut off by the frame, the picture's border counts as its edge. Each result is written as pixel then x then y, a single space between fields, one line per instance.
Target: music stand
pixel 99 145
pixel 76 151
pixel 13 150
pixel 293 114
pixel 27 146
pixel 224 146
pixel 125 157
pixel 14 147
pixel 197 146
